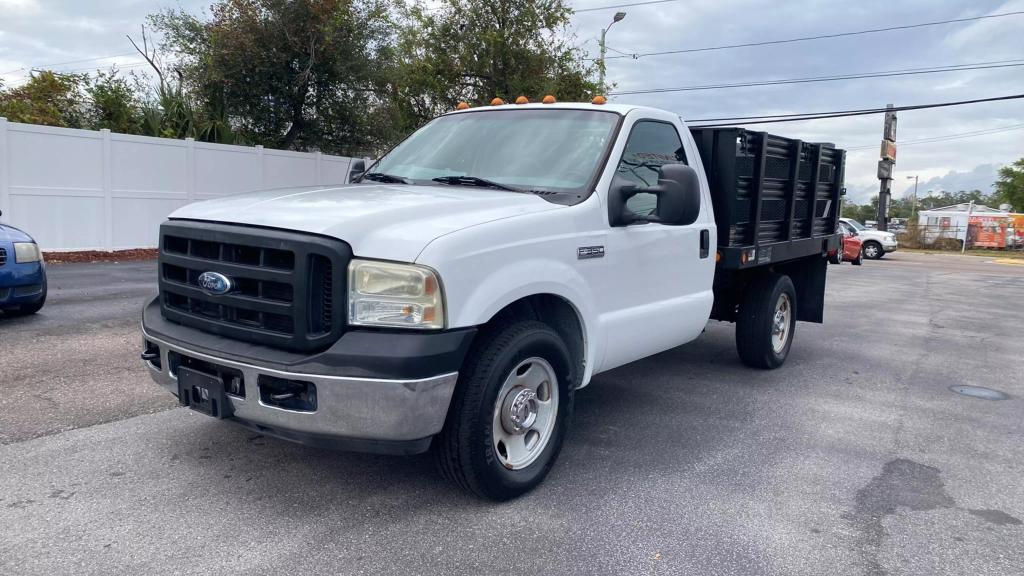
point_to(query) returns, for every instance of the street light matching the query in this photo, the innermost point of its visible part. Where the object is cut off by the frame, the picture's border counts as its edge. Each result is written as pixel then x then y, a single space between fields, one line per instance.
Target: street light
pixel 600 69
pixel 913 209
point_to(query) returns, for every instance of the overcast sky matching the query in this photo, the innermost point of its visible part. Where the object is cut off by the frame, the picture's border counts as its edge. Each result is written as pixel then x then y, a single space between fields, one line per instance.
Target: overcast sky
pixel 62 34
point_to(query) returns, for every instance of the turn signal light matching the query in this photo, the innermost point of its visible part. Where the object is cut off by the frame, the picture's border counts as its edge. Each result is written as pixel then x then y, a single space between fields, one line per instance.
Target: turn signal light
pixel 549 99
pixel 522 100
pixel 497 102
pixel 599 100
pixel 462 106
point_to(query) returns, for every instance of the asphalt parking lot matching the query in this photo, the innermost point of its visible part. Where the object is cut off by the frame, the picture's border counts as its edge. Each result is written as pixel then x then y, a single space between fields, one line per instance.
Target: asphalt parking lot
pixel 854 458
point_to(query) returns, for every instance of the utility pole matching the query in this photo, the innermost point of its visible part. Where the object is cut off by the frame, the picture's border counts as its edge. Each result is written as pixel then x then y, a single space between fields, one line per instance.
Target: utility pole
pixel 913 207
pixel 888 155
pixel 600 69
pixel 967 229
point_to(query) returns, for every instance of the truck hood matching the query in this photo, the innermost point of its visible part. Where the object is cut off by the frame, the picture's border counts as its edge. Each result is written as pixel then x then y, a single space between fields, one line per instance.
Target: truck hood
pixel 875 235
pixel 386 221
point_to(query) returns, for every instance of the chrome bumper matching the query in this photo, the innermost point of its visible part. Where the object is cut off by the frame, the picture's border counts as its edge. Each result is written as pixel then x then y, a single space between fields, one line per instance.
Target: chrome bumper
pixel 354 408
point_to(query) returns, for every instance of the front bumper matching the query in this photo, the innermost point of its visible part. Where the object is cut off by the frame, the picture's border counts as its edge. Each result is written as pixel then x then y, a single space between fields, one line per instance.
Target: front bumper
pixel 21 283
pixel 890 246
pixel 394 416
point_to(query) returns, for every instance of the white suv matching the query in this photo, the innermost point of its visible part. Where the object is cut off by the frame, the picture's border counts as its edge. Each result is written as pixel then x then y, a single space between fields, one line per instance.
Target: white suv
pixel 876 242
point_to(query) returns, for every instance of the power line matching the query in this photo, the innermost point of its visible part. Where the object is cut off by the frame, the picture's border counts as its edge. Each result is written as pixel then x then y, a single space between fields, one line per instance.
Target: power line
pixel 948 137
pixel 841 114
pixel 622 5
pixel 855 76
pixel 821 37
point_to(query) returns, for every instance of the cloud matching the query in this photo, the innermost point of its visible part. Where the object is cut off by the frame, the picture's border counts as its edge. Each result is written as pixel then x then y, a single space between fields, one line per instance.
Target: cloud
pixel 954 181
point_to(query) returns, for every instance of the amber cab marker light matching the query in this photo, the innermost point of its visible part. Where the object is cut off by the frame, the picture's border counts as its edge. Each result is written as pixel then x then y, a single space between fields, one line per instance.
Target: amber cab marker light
pixel 549 99
pixel 497 102
pixel 599 100
pixel 462 106
pixel 522 100
pixel 718 256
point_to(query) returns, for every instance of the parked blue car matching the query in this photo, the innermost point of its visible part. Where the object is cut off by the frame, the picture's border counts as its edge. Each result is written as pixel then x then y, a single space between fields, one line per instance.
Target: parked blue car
pixel 22 273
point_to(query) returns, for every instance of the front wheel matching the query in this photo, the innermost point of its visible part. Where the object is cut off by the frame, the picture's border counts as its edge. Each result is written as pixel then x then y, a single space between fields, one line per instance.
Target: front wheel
pixel 859 260
pixel 766 321
pixel 510 411
pixel 872 250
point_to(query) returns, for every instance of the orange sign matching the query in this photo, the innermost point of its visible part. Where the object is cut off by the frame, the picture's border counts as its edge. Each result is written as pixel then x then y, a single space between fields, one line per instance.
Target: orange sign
pixel 988 231
pixel 1015 234
pixel 888 150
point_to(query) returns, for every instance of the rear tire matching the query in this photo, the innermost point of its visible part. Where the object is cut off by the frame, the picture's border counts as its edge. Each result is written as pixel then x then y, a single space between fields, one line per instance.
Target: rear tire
pixel 860 259
pixel 766 321
pixel 836 258
pixel 489 407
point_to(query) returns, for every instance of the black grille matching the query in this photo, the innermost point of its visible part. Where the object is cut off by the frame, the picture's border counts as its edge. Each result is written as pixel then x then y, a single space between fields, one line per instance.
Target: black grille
pixel 284 284
pixel 3 256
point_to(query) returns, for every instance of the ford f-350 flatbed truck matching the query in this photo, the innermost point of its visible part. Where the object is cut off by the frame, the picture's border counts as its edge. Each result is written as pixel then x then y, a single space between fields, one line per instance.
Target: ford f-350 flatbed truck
pixel 460 290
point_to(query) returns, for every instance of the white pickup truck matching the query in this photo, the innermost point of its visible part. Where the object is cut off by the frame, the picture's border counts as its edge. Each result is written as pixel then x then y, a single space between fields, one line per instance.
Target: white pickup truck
pixel 457 294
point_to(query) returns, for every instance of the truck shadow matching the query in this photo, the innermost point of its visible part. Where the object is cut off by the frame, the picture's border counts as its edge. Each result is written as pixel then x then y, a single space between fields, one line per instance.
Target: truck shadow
pixel 642 420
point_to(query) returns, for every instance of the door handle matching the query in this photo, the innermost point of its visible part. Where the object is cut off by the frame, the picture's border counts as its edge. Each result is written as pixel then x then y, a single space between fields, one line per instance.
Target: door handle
pixel 705 243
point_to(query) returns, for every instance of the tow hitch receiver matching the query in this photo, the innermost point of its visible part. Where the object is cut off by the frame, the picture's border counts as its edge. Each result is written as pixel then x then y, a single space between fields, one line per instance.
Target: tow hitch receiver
pixel 202 393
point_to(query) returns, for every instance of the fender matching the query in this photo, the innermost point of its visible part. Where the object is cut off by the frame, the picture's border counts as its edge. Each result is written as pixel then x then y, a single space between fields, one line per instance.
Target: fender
pixel 476 302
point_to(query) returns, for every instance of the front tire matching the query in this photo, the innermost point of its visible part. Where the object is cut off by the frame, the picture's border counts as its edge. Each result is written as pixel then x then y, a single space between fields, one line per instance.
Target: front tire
pixel 860 259
pixel 872 250
pixel 510 411
pixel 766 321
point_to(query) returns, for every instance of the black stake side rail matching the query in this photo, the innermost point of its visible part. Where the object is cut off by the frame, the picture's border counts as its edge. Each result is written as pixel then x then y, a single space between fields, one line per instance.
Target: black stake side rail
pixel 775 199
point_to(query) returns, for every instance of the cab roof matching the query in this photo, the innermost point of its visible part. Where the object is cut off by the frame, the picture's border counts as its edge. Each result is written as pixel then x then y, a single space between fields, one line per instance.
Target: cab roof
pixel 621 109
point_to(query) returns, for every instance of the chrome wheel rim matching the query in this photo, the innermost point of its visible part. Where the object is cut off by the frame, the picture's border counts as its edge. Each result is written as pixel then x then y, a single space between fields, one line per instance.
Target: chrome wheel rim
pixel 780 323
pixel 525 413
pixel 871 251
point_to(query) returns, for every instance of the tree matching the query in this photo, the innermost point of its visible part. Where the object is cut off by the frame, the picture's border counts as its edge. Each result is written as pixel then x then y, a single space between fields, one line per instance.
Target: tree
pixel 114 103
pixel 47 98
pixel 475 50
pixel 297 74
pixel 1010 186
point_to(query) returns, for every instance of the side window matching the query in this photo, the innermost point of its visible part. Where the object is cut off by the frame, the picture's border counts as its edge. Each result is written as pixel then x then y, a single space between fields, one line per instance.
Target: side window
pixel 650 146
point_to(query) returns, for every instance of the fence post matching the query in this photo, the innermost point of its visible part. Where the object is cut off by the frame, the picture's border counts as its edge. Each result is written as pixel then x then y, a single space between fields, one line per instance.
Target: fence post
pixel 263 168
pixel 190 170
pixel 108 192
pixel 318 159
pixel 5 173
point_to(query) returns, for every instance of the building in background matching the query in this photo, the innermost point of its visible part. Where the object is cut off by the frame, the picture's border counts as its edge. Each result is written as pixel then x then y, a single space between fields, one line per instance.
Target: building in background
pixel 980 225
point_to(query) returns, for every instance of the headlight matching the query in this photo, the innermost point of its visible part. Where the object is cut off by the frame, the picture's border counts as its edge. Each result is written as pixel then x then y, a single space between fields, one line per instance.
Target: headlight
pixel 398 295
pixel 25 252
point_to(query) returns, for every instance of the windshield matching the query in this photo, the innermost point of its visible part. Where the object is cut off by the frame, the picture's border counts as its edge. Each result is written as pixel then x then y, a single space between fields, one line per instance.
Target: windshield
pixel 856 225
pixel 554 150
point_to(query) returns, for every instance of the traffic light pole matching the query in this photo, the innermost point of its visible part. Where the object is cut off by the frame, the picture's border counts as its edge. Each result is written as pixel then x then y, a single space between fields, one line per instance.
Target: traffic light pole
pixel 888 159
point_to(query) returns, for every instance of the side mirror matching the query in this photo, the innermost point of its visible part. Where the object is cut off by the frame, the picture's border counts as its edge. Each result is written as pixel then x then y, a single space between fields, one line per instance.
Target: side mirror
pixel 678 192
pixel 356 169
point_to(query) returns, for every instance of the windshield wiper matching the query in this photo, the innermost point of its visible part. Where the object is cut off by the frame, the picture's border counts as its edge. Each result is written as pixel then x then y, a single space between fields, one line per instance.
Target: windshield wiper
pixel 457 180
pixel 386 178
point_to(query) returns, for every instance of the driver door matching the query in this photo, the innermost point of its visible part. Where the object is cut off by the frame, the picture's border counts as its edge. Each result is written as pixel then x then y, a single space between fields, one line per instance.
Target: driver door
pixel 658 286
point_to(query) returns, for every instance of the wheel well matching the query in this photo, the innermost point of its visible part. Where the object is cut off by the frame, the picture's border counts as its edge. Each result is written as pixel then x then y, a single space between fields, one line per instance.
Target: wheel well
pixel 557 313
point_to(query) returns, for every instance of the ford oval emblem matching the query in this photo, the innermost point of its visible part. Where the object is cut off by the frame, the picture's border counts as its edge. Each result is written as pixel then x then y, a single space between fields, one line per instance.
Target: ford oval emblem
pixel 215 283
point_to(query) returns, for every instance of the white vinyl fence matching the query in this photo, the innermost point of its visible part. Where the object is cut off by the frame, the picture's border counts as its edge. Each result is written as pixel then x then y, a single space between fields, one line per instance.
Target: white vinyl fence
pixel 88 190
